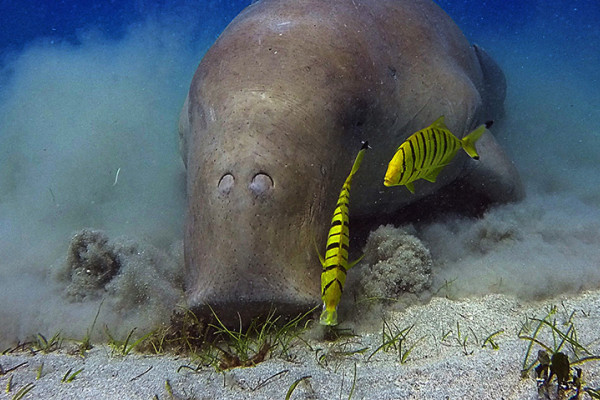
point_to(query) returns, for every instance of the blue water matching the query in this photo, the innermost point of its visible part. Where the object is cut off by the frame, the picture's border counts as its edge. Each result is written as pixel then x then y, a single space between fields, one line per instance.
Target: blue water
pixel 571 25
pixel 25 21
pixel 89 88
pixel 28 20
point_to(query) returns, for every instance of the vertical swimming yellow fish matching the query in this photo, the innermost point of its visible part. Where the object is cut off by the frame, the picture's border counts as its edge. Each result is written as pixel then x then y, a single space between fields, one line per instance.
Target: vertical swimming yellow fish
pixel 335 264
pixel 426 152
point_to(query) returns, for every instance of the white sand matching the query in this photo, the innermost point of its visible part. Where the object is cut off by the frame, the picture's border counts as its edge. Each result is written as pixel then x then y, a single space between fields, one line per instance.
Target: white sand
pixel 437 368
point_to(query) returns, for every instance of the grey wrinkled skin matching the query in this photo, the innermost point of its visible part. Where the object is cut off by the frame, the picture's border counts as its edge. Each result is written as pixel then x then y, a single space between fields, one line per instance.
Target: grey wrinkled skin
pixel 275 115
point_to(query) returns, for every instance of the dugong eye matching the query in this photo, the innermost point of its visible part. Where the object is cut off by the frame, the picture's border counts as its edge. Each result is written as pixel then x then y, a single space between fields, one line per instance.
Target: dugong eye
pixel 226 183
pixel 261 184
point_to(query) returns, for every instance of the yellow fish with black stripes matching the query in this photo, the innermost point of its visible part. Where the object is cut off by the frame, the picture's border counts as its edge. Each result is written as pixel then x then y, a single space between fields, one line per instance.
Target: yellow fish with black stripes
pixel 335 264
pixel 426 152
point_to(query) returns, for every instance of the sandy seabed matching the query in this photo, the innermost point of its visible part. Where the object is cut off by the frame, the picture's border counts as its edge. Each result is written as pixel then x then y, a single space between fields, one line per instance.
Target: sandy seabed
pixel 443 363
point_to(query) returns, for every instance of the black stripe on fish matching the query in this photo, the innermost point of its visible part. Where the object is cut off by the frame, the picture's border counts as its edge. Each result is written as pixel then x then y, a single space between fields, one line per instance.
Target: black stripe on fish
pixel 341 203
pixel 412 151
pixel 436 147
pixel 335 264
pixel 420 153
pixel 335 254
pixel 434 151
pixel 434 160
pixel 340 267
pixel 424 150
pixel 413 163
pixel 445 146
pixel 330 283
pixel 431 147
pixel 403 165
pixel 336 244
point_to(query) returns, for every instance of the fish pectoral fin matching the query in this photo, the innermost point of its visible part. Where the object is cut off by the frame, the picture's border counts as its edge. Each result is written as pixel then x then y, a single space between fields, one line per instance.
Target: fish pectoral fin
pixel 410 186
pixel 317 250
pixel 432 176
pixel 390 184
pixel 353 263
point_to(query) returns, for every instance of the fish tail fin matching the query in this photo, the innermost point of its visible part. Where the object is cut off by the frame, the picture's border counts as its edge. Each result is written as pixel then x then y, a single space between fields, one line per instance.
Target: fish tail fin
pixel 328 316
pixel 468 142
pixel 359 157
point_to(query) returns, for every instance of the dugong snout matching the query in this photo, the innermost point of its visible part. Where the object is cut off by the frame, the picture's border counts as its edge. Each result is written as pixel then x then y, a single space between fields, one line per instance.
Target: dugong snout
pixel 248 243
pixel 255 207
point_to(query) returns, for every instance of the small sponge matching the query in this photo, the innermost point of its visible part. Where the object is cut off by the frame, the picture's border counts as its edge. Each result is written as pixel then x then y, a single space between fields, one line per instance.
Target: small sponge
pixel 396 263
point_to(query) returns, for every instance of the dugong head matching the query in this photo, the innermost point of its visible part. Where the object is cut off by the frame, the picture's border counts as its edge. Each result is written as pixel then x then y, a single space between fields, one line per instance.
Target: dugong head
pixel 257 203
pixel 255 197
pixel 261 183
pixel 268 140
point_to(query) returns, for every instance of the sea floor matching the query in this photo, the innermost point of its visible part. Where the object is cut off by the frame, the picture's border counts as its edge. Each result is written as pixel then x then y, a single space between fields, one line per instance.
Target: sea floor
pixel 466 349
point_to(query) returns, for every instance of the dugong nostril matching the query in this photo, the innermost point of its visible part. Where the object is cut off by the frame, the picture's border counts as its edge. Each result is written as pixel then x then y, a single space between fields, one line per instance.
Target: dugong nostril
pixel 226 183
pixel 261 184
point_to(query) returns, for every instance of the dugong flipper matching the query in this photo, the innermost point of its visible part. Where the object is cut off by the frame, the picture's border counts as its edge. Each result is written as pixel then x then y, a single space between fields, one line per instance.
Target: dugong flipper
pixel 274 115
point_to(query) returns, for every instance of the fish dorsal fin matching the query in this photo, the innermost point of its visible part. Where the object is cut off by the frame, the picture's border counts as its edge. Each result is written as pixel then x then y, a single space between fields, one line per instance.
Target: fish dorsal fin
pixel 410 186
pixel 439 123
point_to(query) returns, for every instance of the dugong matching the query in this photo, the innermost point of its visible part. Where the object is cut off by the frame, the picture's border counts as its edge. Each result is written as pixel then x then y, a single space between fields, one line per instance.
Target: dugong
pixel 275 114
